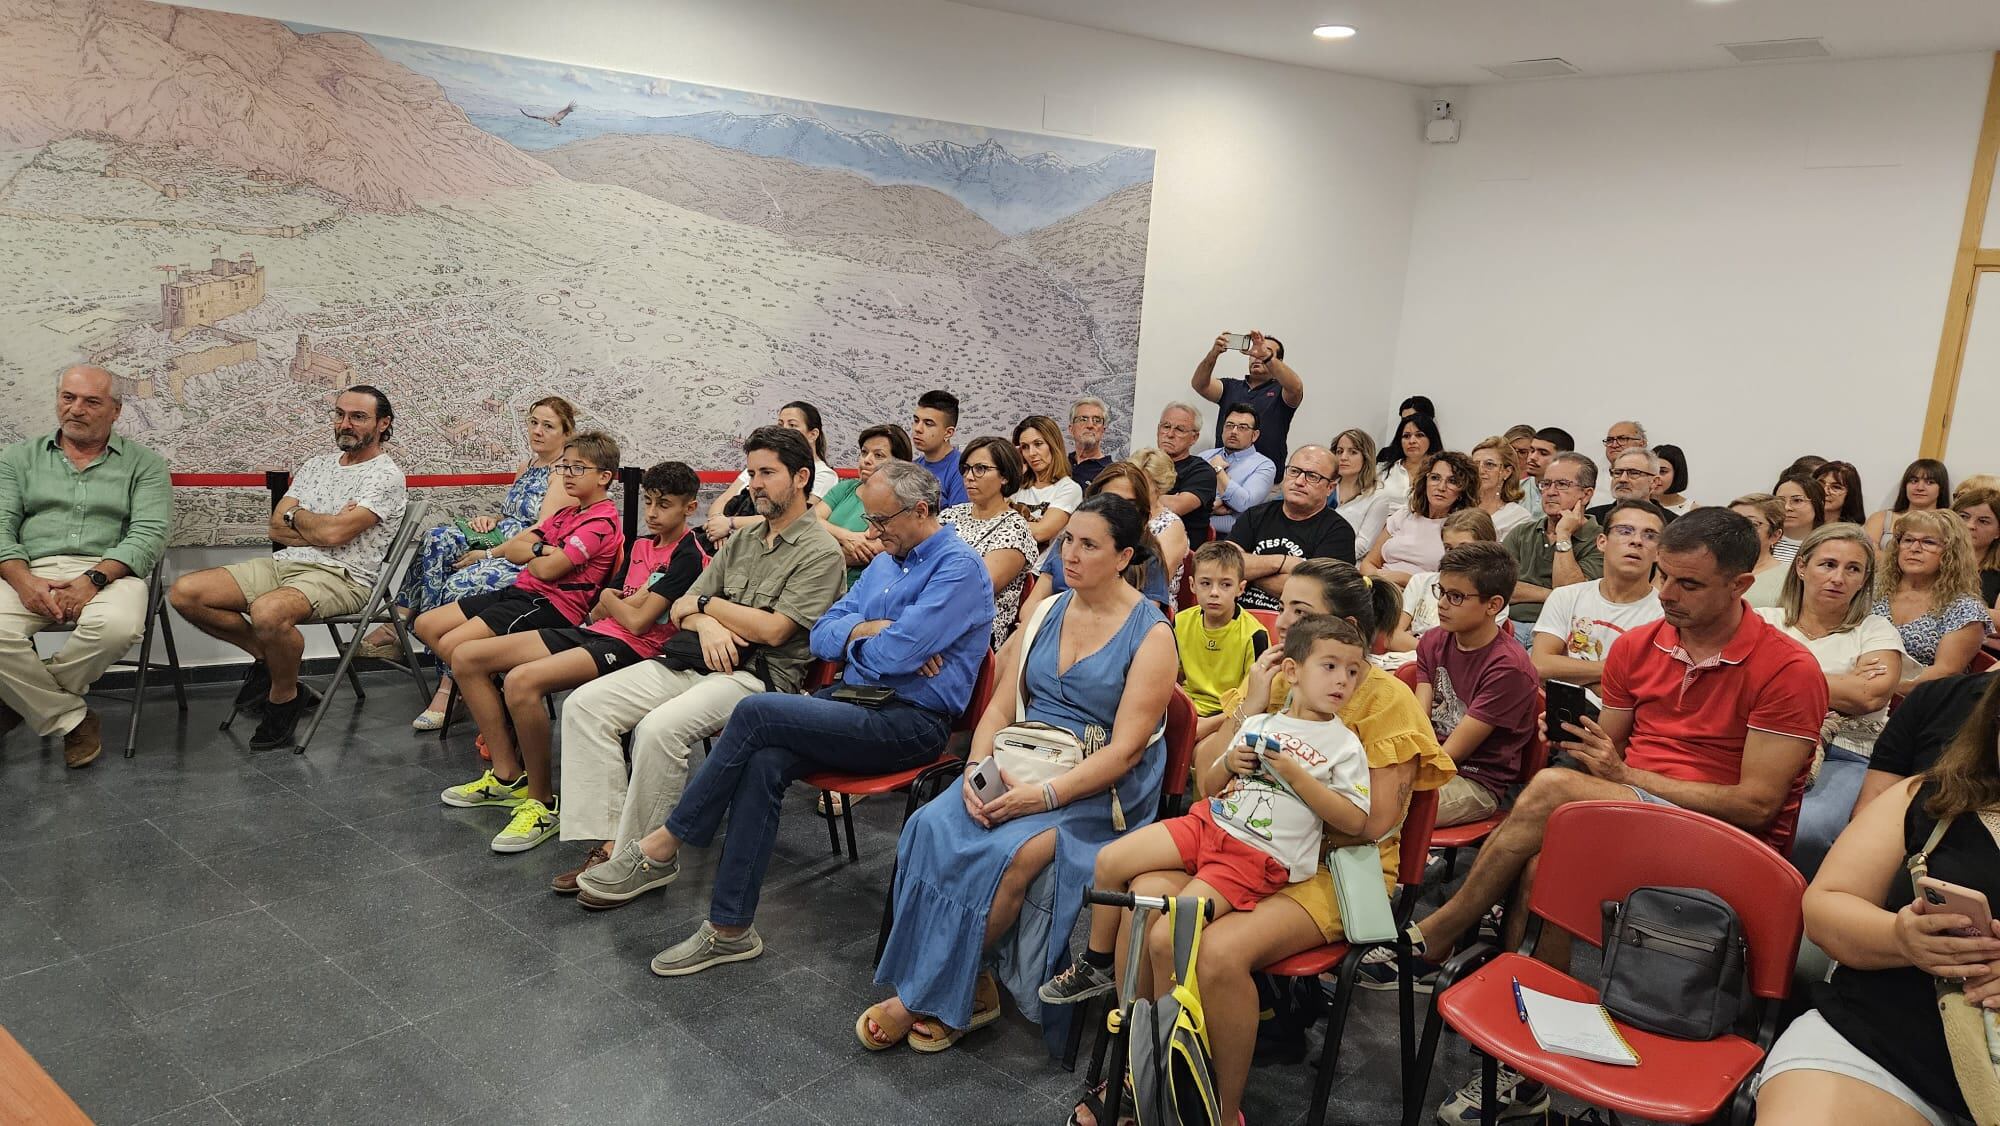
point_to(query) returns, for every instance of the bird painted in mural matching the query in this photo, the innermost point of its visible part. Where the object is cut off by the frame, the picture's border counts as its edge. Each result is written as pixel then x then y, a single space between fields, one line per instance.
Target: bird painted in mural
pixel 555 118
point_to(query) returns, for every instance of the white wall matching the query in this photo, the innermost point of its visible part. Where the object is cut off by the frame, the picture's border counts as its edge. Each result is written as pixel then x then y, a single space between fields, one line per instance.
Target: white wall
pixel 1752 262
pixel 1282 196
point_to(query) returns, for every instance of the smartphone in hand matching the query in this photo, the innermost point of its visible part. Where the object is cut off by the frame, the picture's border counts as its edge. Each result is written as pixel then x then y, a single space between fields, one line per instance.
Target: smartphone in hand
pixel 1567 703
pixel 1238 342
pixel 987 783
pixel 1943 898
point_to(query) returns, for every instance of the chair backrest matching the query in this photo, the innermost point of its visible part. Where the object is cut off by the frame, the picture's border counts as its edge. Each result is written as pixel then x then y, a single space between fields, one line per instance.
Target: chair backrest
pixel 1982 660
pixel 821 674
pixel 1180 744
pixel 1184 594
pixel 402 547
pixel 1538 747
pixel 1270 620
pixel 1410 674
pixel 1414 841
pixel 982 695
pixel 1597 852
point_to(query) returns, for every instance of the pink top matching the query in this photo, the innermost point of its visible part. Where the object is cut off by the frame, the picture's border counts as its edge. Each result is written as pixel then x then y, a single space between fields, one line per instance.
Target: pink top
pixel 591 538
pixel 666 571
pixel 1415 543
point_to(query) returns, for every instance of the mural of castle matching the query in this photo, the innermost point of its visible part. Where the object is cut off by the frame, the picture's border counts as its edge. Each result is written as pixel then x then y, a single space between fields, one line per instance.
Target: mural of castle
pixel 225 289
pixel 309 366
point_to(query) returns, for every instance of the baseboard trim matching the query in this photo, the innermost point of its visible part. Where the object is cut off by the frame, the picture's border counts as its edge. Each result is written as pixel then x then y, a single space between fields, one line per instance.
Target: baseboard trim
pixel 124 677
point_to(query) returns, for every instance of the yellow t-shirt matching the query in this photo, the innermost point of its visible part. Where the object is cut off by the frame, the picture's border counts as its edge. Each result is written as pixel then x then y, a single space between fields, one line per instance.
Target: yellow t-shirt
pixel 1384 715
pixel 1215 660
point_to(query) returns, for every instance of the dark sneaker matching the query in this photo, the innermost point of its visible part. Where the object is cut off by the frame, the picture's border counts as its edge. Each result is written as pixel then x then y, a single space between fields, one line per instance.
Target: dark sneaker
pixel 706 947
pixel 280 720
pixel 251 698
pixel 623 878
pixel 1080 982
pixel 1518 1098
pixel 565 883
pixel 1380 971
pixel 84 742
pixel 9 720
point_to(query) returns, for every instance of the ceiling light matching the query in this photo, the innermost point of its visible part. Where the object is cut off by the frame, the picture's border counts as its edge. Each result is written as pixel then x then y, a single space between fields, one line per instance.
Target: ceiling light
pixel 1333 31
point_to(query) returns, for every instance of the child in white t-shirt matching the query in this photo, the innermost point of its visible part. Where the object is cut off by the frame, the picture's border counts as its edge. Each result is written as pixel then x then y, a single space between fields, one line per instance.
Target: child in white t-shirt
pixel 1280 784
pixel 1420 601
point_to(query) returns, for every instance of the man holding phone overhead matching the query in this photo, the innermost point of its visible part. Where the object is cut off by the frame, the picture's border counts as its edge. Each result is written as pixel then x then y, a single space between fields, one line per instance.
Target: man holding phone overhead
pixel 1271 389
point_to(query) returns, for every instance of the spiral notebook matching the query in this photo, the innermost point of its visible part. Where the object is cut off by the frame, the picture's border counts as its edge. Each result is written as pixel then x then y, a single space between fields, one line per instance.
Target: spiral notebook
pixel 1576 1028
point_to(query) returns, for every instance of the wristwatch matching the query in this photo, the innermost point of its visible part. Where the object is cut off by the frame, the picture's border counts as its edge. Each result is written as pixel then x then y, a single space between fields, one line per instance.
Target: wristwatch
pixel 291 517
pixel 701 603
pixel 97 578
pixel 540 546
pixel 1563 546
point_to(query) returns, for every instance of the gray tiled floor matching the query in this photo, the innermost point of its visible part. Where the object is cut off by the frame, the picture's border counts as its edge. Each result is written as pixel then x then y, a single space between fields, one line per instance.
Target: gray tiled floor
pixel 206 935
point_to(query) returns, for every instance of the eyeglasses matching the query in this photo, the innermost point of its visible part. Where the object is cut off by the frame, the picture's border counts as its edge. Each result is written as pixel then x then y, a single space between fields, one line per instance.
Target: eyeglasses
pixel 1167 429
pixel 1628 474
pixel 1238 427
pixel 1308 476
pixel 1558 483
pixel 975 472
pixel 881 522
pixel 1619 439
pixel 1086 420
pixel 574 468
pixel 1453 598
pixel 358 418
pixel 1629 531
pixel 1922 543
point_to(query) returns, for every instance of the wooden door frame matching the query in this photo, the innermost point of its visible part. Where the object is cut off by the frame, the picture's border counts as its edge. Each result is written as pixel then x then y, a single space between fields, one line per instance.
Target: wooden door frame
pixel 1972 259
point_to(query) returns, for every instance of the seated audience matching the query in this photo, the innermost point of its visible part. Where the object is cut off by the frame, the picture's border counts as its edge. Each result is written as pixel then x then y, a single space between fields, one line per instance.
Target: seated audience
pixel 86 568
pixel 1580 622
pixel 932 425
pixel 1499 485
pixel 1521 439
pixel 1420 600
pixel 1358 495
pixel 1299 775
pixel 733 510
pixel 1927 586
pixel 741 629
pixel 1404 463
pixel 1217 638
pixel 1122 479
pixel 1101 661
pixel 1559 549
pixel 1766 514
pixel 1165 526
pixel 1874 1050
pixel 1671 482
pixel 1047 495
pixel 1919 729
pixel 1542 449
pixel 1805 510
pixel 625 626
pixel 917 624
pixel 334 524
pixel 1840 486
pixel 1710 709
pixel 845 517
pixel 1477 685
pixel 1925 486
pixel 1243 475
pixel 993 527
pixel 1633 474
pixel 1271 388
pixel 1192 496
pixel 1278 535
pixel 1087 419
pixel 1410 537
pixel 447 567
pixel 1980 509
pixel 1825 608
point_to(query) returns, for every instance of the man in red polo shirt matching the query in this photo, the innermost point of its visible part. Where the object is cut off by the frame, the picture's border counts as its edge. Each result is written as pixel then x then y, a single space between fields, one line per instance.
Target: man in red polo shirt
pixel 1710 709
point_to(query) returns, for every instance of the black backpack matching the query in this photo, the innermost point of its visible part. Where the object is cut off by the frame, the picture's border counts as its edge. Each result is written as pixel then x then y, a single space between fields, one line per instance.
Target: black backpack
pixel 1673 962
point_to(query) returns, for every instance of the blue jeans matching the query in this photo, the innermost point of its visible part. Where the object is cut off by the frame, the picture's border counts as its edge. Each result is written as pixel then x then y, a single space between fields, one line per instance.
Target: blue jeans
pixel 772 740
pixel 1827 807
pixel 1524 632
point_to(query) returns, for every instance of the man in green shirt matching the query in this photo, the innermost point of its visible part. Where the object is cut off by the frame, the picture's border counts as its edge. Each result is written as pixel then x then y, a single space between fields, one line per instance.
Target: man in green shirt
pixel 1559 549
pixel 83 521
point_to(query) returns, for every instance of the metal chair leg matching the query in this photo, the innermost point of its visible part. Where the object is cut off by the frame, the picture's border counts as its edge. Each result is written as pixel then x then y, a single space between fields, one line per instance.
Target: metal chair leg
pixel 450 706
pixel 346 668
pixel 1489 1083
pixel 173 659
pixel 1336 1028
pixel 353 675
pixel 847 819
pixel 139 685
pixel 831 819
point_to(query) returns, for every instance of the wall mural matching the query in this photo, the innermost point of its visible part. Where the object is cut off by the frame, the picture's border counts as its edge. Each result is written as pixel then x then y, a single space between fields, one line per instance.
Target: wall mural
pixel 238 215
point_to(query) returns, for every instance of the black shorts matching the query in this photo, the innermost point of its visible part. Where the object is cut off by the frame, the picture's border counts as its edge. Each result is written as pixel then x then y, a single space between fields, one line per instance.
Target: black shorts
pixel 609 653
pixel 513 610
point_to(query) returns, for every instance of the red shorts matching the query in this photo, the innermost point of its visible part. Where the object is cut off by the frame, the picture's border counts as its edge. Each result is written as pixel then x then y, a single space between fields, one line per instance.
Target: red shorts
pixel 1241 874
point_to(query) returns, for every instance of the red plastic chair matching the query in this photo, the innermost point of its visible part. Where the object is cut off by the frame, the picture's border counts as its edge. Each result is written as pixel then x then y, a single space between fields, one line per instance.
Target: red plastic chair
pixel 1410 674
pixel 1982 661
pixel 1270 620
pixel 1180 738
pixel 1596 852
pixel 831 782
pixel 1184 593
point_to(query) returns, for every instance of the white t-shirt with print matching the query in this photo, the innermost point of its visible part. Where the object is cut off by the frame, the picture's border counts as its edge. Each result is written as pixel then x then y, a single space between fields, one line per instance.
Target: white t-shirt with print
pixel 1260 811
pixel 323 485
pixel 1836 654
pixel 1065 494
pixel 1588 623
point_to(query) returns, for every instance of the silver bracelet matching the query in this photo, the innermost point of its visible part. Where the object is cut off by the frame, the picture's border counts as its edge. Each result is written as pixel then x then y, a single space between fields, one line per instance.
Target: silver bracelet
pixel 1049 794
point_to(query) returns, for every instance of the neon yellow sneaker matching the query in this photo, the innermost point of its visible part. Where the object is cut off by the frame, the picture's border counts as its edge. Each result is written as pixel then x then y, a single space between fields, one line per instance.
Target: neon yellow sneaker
pixel 532 824
pixel 486 790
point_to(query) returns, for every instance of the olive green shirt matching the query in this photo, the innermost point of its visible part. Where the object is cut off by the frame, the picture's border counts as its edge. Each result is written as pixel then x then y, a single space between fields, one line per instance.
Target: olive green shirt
pixel 800 575
pixel 1535 554
pixel 117 507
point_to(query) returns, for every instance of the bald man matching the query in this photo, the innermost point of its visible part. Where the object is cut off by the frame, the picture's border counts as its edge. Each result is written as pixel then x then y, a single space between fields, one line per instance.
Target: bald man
pixel 83 520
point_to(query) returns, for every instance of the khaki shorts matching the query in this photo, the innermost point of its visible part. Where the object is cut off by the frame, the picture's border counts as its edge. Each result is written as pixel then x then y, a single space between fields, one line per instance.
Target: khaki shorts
pixel 330 592
pixel 1461 801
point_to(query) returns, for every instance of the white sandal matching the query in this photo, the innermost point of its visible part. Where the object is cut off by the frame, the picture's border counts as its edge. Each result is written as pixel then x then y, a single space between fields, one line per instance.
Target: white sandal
pixel 428 720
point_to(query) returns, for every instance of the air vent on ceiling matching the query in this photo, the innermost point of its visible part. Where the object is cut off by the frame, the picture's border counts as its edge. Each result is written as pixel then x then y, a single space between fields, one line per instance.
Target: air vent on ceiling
pixel 1768 50
pixel 1531 68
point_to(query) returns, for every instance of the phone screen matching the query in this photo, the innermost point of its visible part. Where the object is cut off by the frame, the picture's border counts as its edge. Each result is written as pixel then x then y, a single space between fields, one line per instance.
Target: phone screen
pixel 1568 703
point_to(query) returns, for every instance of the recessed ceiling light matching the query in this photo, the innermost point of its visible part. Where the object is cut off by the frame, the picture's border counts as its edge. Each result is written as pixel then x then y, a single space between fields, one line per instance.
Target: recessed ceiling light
pixel 1333 31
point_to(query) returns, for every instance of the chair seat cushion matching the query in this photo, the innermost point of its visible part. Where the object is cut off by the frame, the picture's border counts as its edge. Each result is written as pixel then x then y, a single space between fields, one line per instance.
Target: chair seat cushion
pixel 1676 1080
pixel 833 781
pixel 1309 963
pixel 1468 834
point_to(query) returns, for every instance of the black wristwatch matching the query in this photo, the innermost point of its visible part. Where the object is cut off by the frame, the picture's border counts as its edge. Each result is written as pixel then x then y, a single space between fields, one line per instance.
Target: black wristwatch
pixel 701 603
pixel 540 546
pixel 291 517
pixel 97 578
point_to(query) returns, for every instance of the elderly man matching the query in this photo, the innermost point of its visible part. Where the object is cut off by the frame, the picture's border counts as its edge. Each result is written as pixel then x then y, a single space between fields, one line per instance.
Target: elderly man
pixel 1193 494
pixel 1087 420
pixel 1622 436
pixel 1271 389
pixel 1278 535
pixel 1560 548
pixel 335 524
pixel 1633 475
pixel 83 520
pixel 1243 475
pixel 913 632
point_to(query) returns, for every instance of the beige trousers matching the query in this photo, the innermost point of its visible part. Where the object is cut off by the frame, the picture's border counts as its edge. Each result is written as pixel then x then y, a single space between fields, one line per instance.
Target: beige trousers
pixel 50 696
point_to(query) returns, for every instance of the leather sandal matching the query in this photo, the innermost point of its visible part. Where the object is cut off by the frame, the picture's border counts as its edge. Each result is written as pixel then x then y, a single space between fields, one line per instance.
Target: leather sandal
pixel 985 1010
pixel 872 1016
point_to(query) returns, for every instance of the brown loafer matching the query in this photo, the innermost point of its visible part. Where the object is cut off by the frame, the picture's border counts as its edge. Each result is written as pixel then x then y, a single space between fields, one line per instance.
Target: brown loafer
pixel 565 883
pixel 82 745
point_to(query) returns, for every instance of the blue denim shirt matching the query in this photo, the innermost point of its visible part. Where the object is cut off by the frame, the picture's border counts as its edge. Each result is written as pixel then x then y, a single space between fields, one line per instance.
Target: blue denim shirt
pixel 940 599
pixel 1251 475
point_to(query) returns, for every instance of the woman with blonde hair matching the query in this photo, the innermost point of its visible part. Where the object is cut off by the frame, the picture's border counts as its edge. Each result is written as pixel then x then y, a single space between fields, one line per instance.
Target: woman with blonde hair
pixel 1824 606
pixel 1928 586
pixel 1124 479
pixel 1165 526
pixel 1979 507
pixel 1358 495
pixel 1048 495
pixel 1500 485
pixel 1766 513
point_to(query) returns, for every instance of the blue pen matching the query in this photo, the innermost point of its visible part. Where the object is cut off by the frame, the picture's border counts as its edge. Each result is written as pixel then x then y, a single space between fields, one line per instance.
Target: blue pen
pixel 1520 1006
